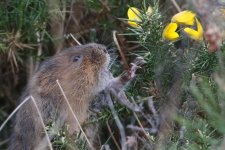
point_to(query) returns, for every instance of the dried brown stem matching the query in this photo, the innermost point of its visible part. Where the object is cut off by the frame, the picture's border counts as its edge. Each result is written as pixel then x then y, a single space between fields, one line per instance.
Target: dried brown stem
pixel 176 5
pixel 111 134
pixel 75 39
pixel 125 65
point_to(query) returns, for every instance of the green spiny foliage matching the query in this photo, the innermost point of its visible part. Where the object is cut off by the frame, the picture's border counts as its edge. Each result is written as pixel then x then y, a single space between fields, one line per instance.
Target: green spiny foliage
pixel 204 129
pixel 27 17
pixel 156 52
pixel 23 26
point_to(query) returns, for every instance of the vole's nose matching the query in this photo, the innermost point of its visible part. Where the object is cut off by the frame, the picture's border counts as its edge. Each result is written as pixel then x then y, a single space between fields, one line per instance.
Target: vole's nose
pixel 98 56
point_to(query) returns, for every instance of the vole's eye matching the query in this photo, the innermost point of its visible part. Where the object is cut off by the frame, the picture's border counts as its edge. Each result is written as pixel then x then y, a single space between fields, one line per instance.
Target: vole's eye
pixel 76 58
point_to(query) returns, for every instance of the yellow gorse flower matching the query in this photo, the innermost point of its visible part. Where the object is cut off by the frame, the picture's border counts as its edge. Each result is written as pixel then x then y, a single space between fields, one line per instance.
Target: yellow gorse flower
pixel 195 34
pixel 184 18
pixel 134 17
pixel 170 32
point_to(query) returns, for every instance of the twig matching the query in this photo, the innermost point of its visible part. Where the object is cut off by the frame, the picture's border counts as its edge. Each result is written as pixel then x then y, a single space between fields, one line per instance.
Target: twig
pixel 182 132
pixel 114 140
pixel 176 5
pixel 105 5
pixel 152 120
pixel 126 66
pixel 14 111
pixel 151 106
pixel 75 39
pixel 139 129
pixel 143 129
pixel 117 120
pixel 42 122
pixel 134 47
pixel 155 119
pixel 75 117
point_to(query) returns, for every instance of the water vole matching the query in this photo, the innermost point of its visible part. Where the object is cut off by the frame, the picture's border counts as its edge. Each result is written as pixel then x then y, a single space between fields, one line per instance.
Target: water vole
pixel 82 72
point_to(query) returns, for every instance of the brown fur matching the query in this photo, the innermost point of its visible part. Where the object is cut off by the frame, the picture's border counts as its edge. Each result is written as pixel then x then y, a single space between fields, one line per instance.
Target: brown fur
pixel 80 81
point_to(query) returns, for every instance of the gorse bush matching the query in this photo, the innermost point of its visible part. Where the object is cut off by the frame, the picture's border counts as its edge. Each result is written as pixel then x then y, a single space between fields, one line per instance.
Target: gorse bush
pixel 200 104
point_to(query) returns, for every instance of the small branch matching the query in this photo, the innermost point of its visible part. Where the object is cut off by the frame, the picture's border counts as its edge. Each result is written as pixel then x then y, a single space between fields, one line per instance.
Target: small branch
pixel 120 50
pixel 153 119
pixel 143 129
pixel 75 117
pixel 117 120
pixel 114 140
pixel 176 5
pixel 151 106
pixel 75 39
pixel 136 128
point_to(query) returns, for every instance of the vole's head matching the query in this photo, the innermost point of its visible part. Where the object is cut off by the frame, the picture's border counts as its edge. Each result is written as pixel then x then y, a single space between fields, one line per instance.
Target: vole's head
pixel 77 67
pixel 89 57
